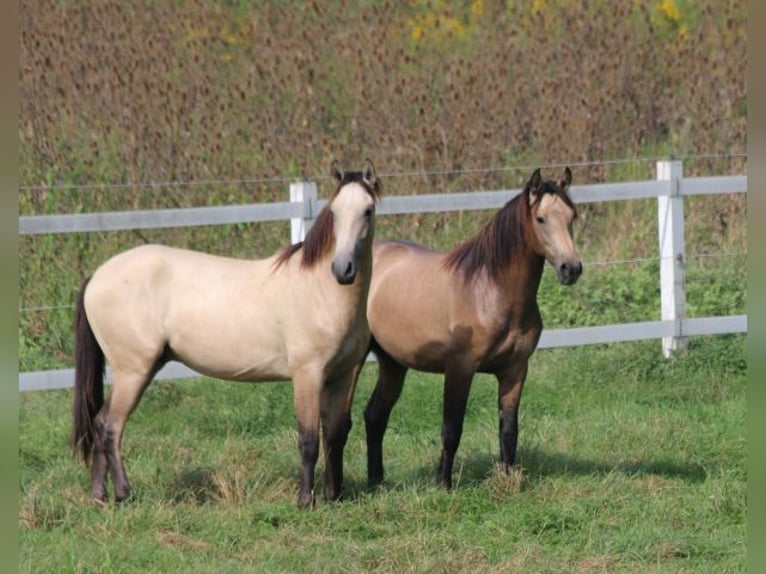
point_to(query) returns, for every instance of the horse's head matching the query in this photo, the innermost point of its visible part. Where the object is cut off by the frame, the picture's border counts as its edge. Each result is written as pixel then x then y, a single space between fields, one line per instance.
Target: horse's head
pixel 552 213
pixel 353 214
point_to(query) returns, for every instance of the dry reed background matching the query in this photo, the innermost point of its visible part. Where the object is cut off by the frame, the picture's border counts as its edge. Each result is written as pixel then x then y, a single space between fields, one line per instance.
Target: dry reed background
pixel 185 91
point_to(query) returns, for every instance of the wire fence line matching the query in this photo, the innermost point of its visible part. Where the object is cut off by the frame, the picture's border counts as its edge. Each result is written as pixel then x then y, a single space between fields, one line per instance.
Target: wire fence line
pixel 586 264
pixel 426 173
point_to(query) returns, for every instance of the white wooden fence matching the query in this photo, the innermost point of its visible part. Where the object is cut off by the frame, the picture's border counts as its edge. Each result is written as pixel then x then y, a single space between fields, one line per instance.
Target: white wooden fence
pixel 669 188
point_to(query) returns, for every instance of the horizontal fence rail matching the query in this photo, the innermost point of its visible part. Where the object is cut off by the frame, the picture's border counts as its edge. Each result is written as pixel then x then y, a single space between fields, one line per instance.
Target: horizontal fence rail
pixel 391 205
pixel 158 218
pixel 669 189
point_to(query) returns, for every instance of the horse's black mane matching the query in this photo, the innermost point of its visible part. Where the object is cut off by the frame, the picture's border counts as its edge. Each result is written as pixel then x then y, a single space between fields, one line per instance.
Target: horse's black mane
pixel 494 247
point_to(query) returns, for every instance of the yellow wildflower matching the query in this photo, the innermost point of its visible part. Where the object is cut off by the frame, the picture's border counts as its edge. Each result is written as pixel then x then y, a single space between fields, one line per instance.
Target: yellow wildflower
pixel 670 10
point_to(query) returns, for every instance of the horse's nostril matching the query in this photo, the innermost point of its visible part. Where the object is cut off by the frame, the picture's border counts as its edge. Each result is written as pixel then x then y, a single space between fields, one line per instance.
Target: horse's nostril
pixel 571 269
pixel 569 272
pixel 344 271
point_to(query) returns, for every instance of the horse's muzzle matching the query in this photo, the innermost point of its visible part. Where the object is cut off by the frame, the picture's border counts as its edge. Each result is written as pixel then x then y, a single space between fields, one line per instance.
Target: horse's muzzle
pixel 344 271
pixel 569 272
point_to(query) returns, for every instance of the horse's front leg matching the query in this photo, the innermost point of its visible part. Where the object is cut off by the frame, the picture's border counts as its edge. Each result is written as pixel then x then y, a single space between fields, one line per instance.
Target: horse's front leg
pixel 307 386
pixel 337 396
pixel 457 384
pixel 510 385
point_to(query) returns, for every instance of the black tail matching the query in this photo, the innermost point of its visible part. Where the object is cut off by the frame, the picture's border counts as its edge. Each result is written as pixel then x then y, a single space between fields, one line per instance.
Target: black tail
pixel 88 381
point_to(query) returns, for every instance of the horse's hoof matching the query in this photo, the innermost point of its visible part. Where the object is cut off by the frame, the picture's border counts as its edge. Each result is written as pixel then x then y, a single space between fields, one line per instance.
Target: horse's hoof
pixel 333 496
pixel 444 483
pixel 374 482
pixel 98 494
pixel 306 500
pixel 121 495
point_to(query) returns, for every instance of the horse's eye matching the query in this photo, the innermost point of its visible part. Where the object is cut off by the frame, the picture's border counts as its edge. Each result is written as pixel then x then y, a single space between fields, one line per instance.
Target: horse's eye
pixel 540 219
pixel 368 213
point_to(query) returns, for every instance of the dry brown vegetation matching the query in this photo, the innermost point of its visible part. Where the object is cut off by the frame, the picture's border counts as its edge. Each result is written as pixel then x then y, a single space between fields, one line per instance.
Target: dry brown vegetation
pixel 196 90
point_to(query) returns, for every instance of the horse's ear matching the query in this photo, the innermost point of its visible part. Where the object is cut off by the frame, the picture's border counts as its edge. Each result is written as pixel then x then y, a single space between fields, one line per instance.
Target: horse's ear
pixel 368 174
pixel 535 183
pixel 336 171
pixel 566 180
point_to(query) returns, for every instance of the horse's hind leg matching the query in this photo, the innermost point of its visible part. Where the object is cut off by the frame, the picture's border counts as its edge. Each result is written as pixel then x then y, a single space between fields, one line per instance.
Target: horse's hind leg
pixel 387 391
pixel 123 398
pixel 98 465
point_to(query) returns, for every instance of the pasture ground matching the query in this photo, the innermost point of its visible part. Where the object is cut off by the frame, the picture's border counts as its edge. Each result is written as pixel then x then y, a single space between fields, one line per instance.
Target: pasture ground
pixel 630 463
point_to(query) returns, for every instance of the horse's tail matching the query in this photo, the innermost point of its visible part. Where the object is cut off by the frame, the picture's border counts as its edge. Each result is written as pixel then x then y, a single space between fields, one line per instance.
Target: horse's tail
pixel 88 380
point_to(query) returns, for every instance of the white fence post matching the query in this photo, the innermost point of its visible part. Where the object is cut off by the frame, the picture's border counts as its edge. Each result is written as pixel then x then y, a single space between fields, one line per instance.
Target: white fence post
pixel 303 192
pixel 672 254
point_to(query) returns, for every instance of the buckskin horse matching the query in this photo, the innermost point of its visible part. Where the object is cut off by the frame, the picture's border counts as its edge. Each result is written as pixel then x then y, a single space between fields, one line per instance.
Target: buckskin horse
pixel 473 309
pixel 299 314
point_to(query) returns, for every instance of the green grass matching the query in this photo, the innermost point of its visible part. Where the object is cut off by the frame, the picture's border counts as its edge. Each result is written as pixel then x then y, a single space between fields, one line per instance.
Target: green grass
pixel 631 463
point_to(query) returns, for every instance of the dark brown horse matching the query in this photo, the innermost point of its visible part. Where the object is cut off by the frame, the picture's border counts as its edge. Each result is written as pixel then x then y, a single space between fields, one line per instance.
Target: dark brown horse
pixel 471 310
pixel 298 315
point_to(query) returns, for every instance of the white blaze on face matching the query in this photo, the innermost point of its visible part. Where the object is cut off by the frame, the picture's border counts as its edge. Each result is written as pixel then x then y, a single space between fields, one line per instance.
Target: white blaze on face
pixel 352 212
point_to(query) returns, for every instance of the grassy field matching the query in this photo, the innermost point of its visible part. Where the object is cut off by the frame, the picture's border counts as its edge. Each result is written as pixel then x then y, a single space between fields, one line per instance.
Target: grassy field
pixel 629 463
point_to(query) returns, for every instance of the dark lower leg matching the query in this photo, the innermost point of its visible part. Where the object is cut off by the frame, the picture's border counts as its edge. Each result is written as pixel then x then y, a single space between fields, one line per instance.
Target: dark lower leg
pixel 456 388
pixel 376 415
pixel 508 432
pixel 509 399
pixel 308 446
pixel 120 481
pixel 451 433
pixel 334 444
pixel 116 467
pixel 98 463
